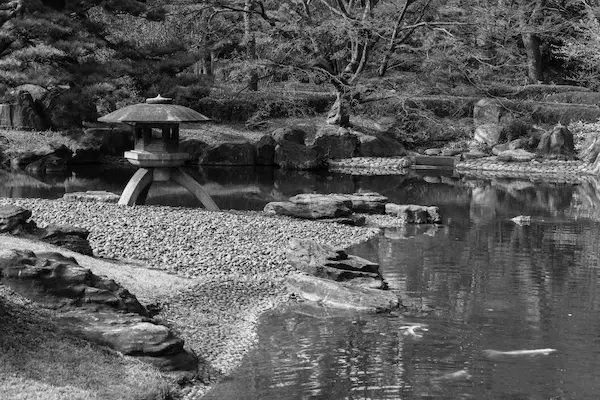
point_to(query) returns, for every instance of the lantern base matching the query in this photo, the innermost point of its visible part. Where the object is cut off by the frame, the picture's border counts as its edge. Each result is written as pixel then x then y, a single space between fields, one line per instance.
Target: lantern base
pixel 137 188
pixel 147 159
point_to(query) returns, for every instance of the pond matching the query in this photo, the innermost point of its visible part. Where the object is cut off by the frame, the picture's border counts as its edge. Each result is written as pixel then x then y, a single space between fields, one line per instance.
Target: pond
pixel 492 285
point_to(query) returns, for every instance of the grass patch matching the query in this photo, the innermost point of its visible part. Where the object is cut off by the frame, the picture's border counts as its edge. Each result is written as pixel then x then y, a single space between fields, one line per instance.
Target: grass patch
pixel 39 361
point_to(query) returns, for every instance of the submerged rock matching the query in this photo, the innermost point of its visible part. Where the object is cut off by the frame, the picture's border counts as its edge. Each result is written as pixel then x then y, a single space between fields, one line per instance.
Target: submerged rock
pixel 326 262
pixel 342 295
pixel 414 214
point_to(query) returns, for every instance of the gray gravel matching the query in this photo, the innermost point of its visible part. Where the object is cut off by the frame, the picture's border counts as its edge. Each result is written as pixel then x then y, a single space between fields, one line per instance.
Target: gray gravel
pixel 237 261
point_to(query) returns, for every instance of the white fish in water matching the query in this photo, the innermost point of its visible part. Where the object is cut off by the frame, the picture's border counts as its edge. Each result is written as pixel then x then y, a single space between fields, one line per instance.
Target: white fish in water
pixel 495 354
pixel 410 330
pixel 462 375
pixel 522 220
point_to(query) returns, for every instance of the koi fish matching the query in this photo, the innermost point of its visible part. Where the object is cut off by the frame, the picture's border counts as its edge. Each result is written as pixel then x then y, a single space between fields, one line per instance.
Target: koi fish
pixel 462 375
pixel 410 330
pixel 495 354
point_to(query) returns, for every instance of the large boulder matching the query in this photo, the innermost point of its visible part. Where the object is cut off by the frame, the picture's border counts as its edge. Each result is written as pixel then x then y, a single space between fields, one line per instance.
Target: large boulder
pixel 49 158
pixel 231 153
pixel 488 134
pixel 13 218
pixel 332 142
pixel 48 164
pixel 195 148
pixel 70 237
pixel 289 134
pixel 324 261
pixel 341 295
pixel 378 146
pixel 557 144
pixel 26 113
pixel 309 210
pixel 56 280
pixel 36 91
pixel 265 150
pixel 591 150
pixel 369 203
pixel 490 111
pixel 6 115
pixel 16 220
pixel 291 155
pixel 414 214
pixel 132 335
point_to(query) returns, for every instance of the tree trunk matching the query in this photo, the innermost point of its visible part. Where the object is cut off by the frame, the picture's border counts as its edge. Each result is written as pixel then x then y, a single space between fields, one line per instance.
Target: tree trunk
pixel 250 41
pixel 339 112
pixel 534 57
pixel 207 64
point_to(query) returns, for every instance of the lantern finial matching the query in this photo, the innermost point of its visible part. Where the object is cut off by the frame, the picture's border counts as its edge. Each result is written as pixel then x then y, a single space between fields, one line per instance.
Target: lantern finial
pixel 159 100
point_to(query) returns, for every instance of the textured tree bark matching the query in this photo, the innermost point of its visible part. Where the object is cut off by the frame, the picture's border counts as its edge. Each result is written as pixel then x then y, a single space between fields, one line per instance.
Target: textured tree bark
pixel 339 112
pixel 250 41
pixel 535 72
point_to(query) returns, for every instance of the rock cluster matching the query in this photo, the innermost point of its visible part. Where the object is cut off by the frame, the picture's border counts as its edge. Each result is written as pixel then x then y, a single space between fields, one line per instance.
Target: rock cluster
pixel 336 279
pixel 292 148
pixel 341 208
pixel 16 220
pixel 36 108
pixel 323 261
pixel 96 308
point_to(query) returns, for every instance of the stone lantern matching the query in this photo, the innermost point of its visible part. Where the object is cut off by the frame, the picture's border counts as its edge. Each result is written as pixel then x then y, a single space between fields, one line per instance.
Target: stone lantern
pixel 156 152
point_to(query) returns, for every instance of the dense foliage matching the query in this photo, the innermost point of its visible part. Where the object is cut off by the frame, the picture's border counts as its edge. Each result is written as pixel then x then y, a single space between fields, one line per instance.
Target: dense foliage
pixel 115 52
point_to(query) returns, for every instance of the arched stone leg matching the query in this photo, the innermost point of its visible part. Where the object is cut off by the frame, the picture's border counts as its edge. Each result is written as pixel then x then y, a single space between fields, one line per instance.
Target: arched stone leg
pixel 138 183
pixel 184 179
pixel 143 195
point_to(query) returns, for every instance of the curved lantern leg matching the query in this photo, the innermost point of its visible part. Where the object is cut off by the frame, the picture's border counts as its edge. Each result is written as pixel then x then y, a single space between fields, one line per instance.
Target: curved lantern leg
pixel 138 185
pixel 184 179
pixel 143 195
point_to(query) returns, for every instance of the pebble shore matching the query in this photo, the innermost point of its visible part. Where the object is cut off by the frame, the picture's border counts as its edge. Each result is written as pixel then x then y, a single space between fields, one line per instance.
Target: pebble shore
pixel 235 258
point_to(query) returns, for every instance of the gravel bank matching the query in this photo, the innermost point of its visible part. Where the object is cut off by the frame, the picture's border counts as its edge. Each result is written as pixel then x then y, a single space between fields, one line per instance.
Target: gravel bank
pixel 236 260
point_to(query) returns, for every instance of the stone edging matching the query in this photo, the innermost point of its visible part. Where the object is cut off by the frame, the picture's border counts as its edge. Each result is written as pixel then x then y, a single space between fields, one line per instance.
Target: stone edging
pixel 485 167
pixel 371 165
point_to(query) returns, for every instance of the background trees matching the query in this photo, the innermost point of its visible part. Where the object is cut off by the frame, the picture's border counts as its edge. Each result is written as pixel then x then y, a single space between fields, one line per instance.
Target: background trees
pixel 118 51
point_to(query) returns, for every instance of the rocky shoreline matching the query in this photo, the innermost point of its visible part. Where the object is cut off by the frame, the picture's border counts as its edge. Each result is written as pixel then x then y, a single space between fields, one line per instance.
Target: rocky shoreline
pixel 235 261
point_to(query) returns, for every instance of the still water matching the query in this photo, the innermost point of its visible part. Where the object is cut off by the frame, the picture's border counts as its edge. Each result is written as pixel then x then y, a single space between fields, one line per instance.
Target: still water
pixel 492 285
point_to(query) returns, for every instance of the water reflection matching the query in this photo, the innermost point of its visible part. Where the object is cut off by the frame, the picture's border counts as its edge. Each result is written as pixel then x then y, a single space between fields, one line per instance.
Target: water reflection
pixel 493 285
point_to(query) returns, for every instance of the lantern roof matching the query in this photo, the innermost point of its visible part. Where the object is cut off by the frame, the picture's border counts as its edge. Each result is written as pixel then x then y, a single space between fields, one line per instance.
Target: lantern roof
pixel 155 110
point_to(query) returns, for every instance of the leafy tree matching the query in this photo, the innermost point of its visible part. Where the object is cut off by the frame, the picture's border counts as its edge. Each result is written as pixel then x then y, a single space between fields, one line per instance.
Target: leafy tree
pixel 75 43
pixel 582 49
pixel 338 39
